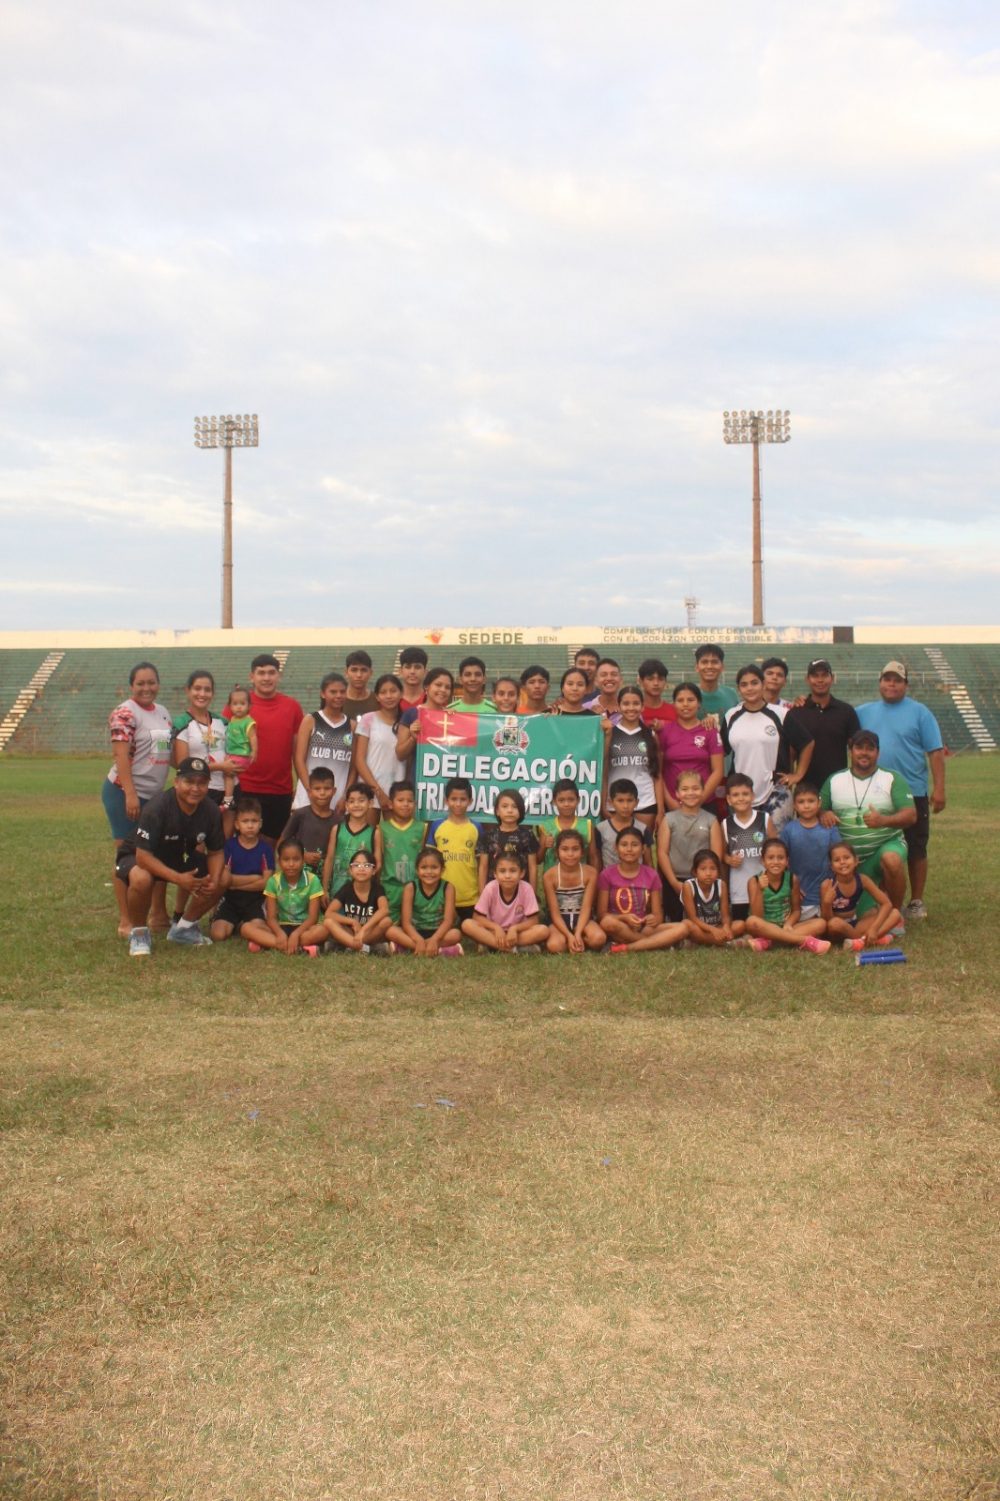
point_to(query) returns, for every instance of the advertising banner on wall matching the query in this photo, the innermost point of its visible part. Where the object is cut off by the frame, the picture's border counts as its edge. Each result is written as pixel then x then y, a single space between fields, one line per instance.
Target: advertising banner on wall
pixel 527 753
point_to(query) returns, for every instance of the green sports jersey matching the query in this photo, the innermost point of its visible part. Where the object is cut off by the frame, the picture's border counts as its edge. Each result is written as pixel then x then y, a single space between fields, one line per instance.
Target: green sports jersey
pixel 428 911
pixel 346 847
pixel 401 844
pixel 293 901
pixel 718 701
pixel 777 904
pixel 850 797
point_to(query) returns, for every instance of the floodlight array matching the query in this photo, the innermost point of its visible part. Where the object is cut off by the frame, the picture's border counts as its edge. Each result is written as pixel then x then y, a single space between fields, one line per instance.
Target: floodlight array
pixel 756 427
pixel 226 432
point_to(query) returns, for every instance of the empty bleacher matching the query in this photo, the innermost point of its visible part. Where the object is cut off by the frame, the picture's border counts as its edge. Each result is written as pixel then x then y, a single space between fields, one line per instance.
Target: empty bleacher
pixel 70 714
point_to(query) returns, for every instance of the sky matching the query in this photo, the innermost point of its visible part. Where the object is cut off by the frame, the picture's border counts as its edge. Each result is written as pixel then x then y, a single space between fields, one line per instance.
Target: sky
pixel 490 275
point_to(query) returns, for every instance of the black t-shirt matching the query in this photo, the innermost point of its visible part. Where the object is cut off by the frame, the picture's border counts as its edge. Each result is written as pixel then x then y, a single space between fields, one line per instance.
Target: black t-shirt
pixel 494 842
pixel 179 840
pixel 831 728
pixel 351 904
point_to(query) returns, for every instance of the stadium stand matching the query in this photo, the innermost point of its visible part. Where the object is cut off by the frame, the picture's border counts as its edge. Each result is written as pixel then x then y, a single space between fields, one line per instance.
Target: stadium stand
pixel 69 715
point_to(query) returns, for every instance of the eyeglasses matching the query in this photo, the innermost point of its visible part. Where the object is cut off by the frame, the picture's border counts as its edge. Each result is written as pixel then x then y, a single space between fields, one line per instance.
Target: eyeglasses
pixel 363 864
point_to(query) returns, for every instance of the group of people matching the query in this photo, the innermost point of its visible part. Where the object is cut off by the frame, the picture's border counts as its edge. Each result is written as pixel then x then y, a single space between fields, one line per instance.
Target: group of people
pixel 729 816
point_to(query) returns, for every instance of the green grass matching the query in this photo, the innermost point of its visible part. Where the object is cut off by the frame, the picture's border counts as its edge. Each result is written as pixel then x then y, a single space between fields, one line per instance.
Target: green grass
pixel 694 1225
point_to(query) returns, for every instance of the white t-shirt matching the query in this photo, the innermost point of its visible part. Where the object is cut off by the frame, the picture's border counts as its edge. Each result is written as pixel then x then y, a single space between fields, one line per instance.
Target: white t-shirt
pixel 208 741
pixel 380 751
pixel 148 734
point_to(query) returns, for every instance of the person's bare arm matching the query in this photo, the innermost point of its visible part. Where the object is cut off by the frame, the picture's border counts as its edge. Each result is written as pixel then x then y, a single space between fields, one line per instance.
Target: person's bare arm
pixel 936 759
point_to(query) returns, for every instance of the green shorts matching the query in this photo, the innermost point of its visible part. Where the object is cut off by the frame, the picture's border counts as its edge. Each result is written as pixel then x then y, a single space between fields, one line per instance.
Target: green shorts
pixel 872 868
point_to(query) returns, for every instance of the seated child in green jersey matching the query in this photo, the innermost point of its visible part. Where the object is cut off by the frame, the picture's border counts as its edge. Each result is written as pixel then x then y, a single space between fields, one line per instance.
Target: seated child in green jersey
pixel 776 907
pixel 241 740
pixel 506 835
pixel 399 838
pixel 291 899
pixel 354 833
pixel 427 925
pixel 358 915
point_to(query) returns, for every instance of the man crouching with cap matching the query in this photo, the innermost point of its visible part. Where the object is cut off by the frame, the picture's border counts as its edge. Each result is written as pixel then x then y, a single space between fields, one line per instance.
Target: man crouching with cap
pixel 179 839
pixel 872 807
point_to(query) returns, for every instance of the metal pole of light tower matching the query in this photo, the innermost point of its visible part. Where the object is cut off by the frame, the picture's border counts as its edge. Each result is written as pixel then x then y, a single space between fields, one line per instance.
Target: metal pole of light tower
pixel 227 433
pixel 756 428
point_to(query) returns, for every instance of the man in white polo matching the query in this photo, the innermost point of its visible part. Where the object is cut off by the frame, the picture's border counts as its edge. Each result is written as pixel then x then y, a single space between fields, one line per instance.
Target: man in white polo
pixel 872 808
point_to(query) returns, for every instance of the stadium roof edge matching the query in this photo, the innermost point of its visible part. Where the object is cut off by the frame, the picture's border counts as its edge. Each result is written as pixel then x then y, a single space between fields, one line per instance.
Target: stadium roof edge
pixel 472 636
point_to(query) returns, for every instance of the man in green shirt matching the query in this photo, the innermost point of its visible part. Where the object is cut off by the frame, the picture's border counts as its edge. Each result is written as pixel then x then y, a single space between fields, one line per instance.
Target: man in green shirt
pixel 472 688
pixel 708 662
pixel 871 807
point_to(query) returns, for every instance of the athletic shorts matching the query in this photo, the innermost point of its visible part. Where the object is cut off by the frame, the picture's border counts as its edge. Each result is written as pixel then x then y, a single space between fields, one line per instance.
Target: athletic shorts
pixel 462 914
pixel 113 798
pixel 127 863
pixel 648 812
pixel 919 833
pixel 739 911
pixel 872 867
pixel 673 907
pixel 276 809
pixel 238 907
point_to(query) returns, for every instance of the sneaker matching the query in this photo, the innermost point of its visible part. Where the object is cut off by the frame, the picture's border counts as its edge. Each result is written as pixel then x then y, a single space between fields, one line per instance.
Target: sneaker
pixel 813 945
pixel 193 937
pixel 140 945
pixel 364 949
pixel 254 948
pixel 853 945
pixel 452 951
pixel 380 950
pixel 311 949
pixel 618 948
pixel 758 944
pixel 884 942
pixel 899 931
pixel 527 948
pixel 738 943
pixel 916 911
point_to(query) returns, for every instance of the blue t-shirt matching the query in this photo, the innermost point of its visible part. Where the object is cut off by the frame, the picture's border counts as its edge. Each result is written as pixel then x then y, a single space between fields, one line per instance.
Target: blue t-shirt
pixel 907 732
pixel 258 861
pixel 809 856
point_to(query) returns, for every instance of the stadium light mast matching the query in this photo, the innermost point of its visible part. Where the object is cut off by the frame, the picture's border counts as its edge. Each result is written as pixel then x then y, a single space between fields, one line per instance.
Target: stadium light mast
pixel 756 428
pixel 226 432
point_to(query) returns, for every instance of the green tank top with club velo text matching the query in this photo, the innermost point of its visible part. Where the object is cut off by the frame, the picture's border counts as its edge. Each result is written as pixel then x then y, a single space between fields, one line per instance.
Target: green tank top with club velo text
pixel 428 911
pixel 777 904
pixel 346 847
pixel 401 844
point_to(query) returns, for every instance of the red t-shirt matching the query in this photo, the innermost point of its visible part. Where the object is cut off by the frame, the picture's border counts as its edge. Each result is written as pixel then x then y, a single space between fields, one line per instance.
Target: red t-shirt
pixel 411 703
pixel 663 714
pixel 277 719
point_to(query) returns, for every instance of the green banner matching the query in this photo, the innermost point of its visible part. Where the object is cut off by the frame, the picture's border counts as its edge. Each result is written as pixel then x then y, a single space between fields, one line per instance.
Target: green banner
pixel 527 753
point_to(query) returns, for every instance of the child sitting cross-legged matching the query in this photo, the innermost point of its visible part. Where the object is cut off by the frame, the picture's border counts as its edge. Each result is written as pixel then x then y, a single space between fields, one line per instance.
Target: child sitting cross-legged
pixel 357 918
pixel 706 901
pixel 427 926
pixel 506 917
pixel 571 890
pixel 291 899
pixel 630 901
pixel 846 894
pixel 776 907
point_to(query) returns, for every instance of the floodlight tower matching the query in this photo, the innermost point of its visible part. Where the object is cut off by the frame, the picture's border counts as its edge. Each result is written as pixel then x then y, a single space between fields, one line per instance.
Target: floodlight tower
pixel 228 433
pixel 756 428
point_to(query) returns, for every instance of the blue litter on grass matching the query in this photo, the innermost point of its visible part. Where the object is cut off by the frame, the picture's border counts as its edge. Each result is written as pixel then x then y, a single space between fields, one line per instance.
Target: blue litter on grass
pixel 605 1161
pixel 449 1103
pixel 253 1115
pixel 420 1107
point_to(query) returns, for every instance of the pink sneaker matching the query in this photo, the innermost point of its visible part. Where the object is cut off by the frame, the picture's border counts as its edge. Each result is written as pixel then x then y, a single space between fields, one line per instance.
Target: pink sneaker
pixel 758 944
pixel 814 946
pixel 254 948
pixel 885 942
pixel 311 949
pixel 452 951
pixel 853 945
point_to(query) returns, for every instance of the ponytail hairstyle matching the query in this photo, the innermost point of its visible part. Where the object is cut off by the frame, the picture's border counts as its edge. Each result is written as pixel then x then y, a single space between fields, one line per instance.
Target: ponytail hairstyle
pixel 390 677
pixel 331 677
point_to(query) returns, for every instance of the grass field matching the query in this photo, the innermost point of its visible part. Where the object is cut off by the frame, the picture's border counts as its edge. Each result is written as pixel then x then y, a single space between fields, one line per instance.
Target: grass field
pixel 693 1225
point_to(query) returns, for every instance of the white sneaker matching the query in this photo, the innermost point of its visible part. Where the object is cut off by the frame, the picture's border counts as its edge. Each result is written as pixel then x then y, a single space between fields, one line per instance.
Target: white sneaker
pixel 916 911
pixel 140 944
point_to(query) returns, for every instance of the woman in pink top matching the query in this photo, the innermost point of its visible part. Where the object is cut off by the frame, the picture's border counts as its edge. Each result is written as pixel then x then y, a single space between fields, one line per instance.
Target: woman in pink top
pixel 689 745
pixel 141 736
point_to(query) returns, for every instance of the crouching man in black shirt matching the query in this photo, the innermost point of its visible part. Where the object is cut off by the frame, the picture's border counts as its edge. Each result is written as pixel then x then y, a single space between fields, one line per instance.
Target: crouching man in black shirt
pixel 179 839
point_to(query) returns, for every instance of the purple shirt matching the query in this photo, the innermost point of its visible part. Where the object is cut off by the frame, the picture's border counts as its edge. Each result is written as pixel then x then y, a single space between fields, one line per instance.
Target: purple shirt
pixel 628 893
pixel 687 750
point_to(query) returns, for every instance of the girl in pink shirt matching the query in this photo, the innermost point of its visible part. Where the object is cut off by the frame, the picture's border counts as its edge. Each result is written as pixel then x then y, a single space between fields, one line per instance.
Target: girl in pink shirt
pixel 506 915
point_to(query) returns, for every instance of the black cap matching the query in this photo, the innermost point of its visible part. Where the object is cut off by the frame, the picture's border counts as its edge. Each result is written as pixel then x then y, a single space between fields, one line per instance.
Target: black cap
pixel 865 737
pixel 819 665
pixel 194 766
